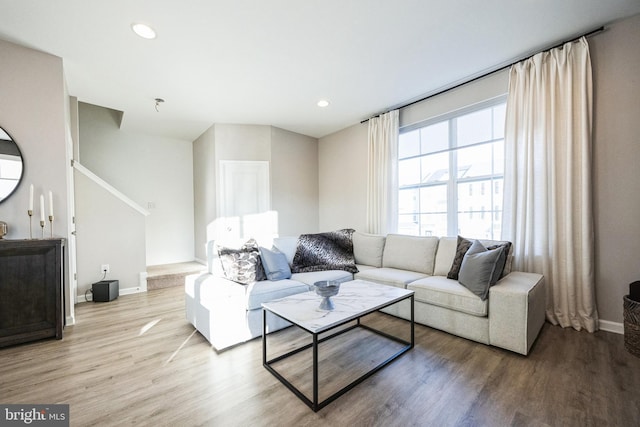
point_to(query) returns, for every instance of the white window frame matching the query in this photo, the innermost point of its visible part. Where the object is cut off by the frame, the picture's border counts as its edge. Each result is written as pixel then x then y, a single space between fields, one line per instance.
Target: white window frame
pixel 452 149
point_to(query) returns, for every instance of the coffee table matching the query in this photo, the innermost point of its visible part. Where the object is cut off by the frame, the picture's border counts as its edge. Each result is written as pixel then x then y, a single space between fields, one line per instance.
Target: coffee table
pixel 355 300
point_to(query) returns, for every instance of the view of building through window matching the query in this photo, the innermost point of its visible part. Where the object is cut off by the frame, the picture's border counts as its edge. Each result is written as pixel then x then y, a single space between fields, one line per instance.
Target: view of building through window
pixel 451 175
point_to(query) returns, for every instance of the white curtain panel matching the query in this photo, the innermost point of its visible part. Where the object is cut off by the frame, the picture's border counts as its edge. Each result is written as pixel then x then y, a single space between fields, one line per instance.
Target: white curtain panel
pixel 382 178
pixel 547 210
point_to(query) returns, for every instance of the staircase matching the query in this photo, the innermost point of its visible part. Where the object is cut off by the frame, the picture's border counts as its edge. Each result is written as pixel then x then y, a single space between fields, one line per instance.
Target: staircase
pixel 168 275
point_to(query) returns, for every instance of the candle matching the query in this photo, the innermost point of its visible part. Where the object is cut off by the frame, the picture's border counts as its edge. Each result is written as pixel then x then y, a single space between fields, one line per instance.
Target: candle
pixel 31 198
pixel 50 204
pixel 41 207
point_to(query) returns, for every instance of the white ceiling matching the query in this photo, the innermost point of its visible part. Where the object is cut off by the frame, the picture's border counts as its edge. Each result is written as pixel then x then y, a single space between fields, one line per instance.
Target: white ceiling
pixel 270 61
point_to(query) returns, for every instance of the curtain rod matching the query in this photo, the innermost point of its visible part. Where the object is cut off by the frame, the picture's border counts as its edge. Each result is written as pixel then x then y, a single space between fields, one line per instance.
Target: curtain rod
pixel 483 74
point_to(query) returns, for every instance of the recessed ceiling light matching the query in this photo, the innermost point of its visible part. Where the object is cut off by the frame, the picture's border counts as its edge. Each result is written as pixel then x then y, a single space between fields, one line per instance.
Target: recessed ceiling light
pixel 323 103
pixel 143 30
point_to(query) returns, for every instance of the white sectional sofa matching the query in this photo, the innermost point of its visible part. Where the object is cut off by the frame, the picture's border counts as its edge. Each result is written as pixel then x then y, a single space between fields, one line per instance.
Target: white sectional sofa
pixel 510 318
pixel 228 313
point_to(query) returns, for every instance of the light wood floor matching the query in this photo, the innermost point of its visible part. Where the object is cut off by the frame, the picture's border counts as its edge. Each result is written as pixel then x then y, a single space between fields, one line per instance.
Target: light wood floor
pixel 136 360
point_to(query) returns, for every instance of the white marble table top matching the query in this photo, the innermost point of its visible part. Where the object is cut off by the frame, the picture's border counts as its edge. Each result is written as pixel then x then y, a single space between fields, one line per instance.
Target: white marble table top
pixel 354 299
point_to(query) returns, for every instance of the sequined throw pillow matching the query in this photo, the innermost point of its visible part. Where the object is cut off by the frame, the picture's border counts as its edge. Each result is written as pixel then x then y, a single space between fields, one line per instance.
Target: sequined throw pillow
pixel 242 265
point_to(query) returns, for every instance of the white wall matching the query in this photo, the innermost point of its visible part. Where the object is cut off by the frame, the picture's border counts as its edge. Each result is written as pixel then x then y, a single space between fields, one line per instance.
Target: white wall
pixel 108 232
pixel 204 189
pixel 483 89
pixel 615 57
pixel 33 110
pixel 242 142
pixel 148 169
pixel 343 162
pixel 294 182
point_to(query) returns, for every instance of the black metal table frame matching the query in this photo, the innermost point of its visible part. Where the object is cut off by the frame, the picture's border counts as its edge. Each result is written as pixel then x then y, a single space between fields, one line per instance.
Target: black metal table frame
pixel 314 404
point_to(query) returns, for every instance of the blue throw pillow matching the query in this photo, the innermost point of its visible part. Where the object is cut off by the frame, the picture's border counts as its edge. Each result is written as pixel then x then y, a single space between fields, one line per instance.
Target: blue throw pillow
pixel 275 264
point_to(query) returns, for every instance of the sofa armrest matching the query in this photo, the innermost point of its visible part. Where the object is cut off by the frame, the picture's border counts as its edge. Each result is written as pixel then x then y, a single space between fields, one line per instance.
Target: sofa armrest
pixel 206 290
pixel 216 307
pixel 516 311
pixel 214 266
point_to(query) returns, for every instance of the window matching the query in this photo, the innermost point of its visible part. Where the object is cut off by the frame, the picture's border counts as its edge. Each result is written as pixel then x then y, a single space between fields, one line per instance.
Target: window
pixel 441 163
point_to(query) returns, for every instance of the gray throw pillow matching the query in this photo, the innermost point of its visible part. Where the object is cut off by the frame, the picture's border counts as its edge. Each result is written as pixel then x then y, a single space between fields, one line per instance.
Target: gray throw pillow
pixel 275 264
pixel 500 264
pixel 479 269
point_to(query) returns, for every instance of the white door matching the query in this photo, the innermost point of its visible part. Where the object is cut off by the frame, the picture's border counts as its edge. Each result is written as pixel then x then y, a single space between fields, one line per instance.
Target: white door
pixel 244 202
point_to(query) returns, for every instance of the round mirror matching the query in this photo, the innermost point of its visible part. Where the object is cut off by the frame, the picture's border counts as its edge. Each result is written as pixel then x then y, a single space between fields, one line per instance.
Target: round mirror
pixel 11 166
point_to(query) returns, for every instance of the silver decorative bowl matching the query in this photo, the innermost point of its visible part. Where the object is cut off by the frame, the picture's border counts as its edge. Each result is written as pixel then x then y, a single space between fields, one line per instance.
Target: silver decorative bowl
pixel 326 289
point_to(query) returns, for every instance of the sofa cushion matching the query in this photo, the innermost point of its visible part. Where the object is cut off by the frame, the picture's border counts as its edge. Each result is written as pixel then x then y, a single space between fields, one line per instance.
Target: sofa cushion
pixel 362 267
pixel 325 251
pixel 368 248
pixel 242 265
pixel 481 268
pixel 413 253
pixel 275 264
pixel 448 293
pixel 444 257
pixel 389 276
pixel 267 290
pixel 312 277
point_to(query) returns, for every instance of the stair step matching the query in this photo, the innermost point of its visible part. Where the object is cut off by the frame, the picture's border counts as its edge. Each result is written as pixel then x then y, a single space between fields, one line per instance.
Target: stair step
pixel 169 275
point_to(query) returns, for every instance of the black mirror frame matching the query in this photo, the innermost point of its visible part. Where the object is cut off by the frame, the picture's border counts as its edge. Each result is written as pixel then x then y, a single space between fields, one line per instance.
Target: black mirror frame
pixel 23 166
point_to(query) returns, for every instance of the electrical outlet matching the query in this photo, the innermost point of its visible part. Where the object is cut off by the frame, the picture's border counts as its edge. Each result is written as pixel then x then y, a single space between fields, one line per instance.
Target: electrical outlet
pixel 104 268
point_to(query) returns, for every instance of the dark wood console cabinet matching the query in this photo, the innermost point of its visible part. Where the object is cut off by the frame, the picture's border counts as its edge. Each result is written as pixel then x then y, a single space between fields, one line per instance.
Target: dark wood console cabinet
pixel 31 290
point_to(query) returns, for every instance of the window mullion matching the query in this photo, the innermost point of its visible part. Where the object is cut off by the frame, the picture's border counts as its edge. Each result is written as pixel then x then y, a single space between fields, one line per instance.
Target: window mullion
pixel 493 173
pixel 491 186
pixel 421 184
pixel 452 191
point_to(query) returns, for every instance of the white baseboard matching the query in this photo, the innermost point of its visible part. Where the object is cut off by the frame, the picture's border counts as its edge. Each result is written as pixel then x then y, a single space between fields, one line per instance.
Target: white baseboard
pixel 129 291
pixel 121 291
pixel 86 297
pixel 142 282
pixel 142 287
pixel 615 327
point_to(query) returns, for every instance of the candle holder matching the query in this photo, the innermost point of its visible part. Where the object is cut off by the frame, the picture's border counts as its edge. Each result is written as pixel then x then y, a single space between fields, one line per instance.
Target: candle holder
pixel 30 213
pixel 51 225
pixel 42 227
